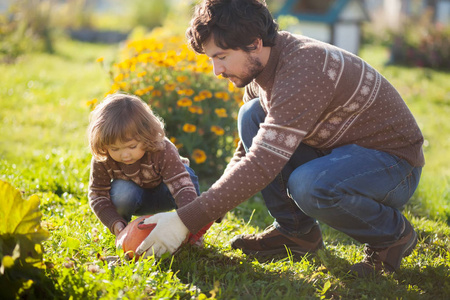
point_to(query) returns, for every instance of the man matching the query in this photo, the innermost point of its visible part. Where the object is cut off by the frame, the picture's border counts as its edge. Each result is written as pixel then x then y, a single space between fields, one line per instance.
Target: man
pixel 323 135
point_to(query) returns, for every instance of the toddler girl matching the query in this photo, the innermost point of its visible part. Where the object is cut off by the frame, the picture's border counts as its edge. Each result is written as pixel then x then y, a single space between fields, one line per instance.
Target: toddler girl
pixel 135 169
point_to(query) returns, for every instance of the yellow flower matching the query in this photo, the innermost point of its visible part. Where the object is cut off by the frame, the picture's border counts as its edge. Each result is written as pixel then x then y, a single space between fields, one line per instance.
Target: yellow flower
pixel 139 92
pixel 119 77
pixel 222 95
pixel 205 94
pixel 156 93
pixel 189 92
pixel 100 59
pixel 182 79
pixel 189 128
pixel 196 110
pixel 199 156
pixel 217 130
pixel 175 142
pixel 231 87
pixel 169 87
pixel 92 103
pixel 236 142
pixel 142 74
pixel 183 102
pixel 198 98
pixel 221 112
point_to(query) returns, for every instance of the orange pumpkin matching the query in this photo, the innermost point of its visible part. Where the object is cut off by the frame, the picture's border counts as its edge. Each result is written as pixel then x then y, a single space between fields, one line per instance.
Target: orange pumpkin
pixel 134 236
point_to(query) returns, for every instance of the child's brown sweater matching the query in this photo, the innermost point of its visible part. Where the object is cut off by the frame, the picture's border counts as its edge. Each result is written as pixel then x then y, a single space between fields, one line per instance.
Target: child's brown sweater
pixel 322 96
pixel 152 169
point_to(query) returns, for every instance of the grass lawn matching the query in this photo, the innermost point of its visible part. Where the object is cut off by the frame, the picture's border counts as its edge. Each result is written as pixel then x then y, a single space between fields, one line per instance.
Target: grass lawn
pixel 43 151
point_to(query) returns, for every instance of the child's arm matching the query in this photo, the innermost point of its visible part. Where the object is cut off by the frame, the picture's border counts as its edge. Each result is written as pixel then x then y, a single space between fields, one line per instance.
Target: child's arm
pixel 175 175
pixel 99 197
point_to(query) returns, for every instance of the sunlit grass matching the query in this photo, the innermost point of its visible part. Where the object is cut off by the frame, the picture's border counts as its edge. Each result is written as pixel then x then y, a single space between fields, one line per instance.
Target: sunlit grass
pixel 43 150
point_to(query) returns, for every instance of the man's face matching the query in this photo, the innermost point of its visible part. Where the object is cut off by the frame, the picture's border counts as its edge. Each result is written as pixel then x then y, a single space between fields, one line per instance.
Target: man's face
pixel 238 66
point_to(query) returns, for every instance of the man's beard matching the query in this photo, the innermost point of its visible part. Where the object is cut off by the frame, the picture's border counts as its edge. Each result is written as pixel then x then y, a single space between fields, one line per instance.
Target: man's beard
pixel 254 67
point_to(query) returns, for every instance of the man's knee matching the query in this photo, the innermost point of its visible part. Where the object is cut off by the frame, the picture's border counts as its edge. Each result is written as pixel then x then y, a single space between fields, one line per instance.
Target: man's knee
pixel 312 192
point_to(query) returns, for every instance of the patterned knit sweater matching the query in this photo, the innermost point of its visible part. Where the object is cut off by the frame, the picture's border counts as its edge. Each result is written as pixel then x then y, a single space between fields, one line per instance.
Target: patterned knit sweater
pixel 153 168
pixel 317 94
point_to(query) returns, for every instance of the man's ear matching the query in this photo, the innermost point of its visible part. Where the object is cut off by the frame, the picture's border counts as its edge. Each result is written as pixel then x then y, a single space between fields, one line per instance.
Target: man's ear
pixel 257 45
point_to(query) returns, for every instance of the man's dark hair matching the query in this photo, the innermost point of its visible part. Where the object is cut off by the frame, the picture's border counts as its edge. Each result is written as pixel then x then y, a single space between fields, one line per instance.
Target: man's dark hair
pixel 235 24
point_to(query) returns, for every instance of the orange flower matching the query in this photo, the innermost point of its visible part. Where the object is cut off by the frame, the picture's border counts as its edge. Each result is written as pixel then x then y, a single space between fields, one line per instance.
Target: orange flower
pixel 183 102
pixel 199 156
pixel 189 128
pixel 217 130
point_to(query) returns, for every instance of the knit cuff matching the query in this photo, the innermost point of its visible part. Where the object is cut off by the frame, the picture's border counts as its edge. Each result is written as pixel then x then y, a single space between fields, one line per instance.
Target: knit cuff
pixel 193 216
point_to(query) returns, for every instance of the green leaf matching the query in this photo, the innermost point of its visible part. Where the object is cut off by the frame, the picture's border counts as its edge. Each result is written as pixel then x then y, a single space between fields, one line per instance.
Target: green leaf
pixel 20 229
pixel 71 243
pixel 19 216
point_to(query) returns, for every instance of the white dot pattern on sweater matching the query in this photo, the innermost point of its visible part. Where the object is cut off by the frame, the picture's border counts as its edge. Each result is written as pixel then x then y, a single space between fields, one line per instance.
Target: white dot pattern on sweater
pixel 162 166
pixel 319 95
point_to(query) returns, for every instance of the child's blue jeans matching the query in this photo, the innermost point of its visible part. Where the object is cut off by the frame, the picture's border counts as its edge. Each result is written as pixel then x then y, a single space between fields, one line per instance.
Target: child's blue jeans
pixel 355 190
pixel 132 200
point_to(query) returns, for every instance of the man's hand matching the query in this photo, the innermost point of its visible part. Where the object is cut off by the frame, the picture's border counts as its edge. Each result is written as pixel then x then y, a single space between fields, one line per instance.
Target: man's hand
pixel 167 236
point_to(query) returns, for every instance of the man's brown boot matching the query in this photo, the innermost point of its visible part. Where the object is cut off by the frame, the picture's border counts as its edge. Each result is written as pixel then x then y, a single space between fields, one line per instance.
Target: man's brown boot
pixel 387 260
pixel 272 242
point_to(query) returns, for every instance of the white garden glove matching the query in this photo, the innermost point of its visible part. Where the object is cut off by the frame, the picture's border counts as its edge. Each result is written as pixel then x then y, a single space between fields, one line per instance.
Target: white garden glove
pixel 167 236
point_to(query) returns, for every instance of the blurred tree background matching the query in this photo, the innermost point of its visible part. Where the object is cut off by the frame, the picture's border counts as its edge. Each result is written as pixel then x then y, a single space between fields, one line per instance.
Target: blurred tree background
pixel 414 34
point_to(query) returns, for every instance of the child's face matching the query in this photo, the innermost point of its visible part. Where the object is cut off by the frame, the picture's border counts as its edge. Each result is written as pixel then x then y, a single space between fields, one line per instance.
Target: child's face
pixel 126 152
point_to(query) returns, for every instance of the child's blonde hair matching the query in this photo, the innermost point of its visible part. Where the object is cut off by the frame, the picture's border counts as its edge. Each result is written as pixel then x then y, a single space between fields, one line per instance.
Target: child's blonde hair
pixel 122 117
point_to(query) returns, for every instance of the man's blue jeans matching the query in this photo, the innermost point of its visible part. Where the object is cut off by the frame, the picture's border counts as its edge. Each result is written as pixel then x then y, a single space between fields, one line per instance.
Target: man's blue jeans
pixel 130 199
pixel 355 190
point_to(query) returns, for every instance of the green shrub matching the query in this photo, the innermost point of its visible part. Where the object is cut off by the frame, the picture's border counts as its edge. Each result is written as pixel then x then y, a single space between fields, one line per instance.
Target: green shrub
pixel 199 109
pixel 421 43
pixel 25 26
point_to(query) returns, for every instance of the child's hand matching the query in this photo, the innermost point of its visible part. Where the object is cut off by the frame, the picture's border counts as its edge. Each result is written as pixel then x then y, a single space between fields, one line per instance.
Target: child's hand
pixel 118 227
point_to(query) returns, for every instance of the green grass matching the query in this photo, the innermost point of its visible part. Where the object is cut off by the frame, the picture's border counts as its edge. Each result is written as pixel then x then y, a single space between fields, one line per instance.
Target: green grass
pixel 43 151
